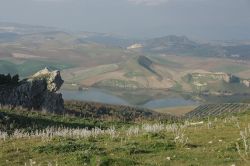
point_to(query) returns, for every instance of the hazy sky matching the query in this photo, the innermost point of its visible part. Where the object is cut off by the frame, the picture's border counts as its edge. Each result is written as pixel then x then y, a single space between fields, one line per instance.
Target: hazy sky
pixel 202 19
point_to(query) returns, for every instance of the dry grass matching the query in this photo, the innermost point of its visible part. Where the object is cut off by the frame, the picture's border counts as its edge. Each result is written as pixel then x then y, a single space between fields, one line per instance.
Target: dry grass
pixel 178 111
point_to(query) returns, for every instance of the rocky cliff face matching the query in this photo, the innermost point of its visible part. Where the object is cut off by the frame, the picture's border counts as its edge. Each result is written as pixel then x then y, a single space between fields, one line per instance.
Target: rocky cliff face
pixel 37 92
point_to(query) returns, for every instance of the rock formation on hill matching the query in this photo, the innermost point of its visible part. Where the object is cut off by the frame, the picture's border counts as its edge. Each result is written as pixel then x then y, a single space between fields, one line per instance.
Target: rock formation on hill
pixel 37 92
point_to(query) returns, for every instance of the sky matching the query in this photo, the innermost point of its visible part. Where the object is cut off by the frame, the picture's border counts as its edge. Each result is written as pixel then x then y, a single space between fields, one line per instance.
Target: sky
pixel 201 19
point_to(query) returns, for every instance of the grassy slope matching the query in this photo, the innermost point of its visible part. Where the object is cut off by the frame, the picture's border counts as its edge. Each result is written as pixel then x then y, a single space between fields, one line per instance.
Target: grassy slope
pixel 212 143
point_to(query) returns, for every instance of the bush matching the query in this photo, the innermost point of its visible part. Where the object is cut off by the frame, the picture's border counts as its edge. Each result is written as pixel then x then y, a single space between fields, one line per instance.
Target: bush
pixel 7 79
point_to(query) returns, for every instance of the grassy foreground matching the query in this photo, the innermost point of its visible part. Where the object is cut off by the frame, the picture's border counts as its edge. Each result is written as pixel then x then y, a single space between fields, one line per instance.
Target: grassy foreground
pixel 64 140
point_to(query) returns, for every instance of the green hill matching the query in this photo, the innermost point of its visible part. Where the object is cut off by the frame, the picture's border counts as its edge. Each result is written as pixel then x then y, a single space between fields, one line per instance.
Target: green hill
pixel 36 138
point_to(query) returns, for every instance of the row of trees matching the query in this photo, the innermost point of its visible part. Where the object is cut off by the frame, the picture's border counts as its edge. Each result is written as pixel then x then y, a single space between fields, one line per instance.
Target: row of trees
pixel 207 110
pixel 8 79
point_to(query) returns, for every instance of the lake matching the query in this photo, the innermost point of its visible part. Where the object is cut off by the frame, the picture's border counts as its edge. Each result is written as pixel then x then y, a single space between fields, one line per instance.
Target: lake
pixel 102 96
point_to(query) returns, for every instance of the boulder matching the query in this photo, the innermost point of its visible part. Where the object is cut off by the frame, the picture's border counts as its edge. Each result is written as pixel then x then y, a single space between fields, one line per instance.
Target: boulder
pixel 38 92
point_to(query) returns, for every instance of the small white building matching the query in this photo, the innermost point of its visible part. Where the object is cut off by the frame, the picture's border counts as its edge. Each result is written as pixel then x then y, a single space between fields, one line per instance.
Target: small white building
pixel 135 46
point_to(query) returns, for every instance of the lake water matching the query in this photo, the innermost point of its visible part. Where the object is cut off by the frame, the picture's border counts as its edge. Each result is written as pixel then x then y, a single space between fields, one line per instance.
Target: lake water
pixel 98 95
pixel 95 95
pixel 169 102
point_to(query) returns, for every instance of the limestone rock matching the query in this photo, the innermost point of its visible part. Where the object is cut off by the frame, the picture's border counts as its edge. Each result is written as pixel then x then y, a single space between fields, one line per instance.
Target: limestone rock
pixel 38 92
pixel 53 79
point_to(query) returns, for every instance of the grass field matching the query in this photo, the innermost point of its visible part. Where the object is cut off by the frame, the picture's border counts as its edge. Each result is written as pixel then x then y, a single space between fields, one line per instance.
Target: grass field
pixel 214 141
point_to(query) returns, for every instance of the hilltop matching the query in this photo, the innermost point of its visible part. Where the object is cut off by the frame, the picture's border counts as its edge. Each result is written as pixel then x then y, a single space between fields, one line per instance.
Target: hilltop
pixel 42 138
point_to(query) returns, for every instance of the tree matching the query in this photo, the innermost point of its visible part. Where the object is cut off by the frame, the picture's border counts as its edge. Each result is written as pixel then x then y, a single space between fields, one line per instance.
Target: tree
pixel 2 79
pixel 8 78
pixel 234 79
pixel 15 79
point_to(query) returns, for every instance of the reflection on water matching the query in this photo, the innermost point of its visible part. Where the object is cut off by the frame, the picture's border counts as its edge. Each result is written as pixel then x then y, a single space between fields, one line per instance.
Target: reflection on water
pixel 98 95
pixel 95 95
pixel 174 102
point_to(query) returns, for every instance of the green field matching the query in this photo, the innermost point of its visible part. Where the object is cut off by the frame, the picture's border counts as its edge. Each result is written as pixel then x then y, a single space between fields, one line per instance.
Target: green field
pixel 64 140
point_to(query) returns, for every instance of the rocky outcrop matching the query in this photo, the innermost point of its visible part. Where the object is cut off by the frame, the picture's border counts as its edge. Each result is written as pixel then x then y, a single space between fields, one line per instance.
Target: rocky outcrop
pixel 228 78
pixel 246 83
pixel 39 92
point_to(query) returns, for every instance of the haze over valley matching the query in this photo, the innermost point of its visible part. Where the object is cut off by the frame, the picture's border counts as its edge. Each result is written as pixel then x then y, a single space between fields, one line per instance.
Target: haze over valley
pixel 153 68
pixel 124 82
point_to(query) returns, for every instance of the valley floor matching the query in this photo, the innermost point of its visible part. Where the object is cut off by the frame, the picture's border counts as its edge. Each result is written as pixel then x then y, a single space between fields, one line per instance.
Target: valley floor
pixel 212 141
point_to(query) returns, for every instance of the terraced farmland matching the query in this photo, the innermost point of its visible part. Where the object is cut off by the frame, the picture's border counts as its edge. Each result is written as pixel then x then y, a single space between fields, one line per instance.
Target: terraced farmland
pixel 207 110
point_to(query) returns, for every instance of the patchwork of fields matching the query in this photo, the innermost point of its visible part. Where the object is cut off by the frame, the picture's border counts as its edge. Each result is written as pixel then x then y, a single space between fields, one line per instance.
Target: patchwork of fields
pixel 85 61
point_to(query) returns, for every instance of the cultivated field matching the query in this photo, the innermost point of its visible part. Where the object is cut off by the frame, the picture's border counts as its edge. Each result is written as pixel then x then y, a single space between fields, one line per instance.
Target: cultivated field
pixel 87 63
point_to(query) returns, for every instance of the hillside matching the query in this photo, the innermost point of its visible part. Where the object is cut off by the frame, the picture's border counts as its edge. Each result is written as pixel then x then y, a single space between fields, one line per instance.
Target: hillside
pixel 89 59
pixel 108 112
pixel 181 45
pixel 40 138
pixel 38 128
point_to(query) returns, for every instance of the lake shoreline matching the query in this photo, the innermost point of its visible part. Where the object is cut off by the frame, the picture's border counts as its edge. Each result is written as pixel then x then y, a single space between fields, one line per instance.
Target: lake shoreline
pixel 107 97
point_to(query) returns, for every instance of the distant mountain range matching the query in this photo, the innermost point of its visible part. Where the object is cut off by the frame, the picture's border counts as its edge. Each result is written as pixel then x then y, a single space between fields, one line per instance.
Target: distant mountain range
pixel 178 45
pixel 23 28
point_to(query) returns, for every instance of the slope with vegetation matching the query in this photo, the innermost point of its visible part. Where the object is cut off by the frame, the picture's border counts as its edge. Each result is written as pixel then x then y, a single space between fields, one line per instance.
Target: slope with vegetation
pixel 36 138
pixel 103 60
